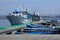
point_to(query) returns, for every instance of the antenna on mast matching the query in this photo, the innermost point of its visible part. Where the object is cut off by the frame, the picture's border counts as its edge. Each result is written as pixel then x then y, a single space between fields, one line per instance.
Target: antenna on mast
pixel 23 7
pixel 26 9
pixel 34 11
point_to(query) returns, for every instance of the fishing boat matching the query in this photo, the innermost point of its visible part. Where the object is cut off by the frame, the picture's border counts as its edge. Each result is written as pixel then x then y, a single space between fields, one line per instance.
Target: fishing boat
pixel 35 25
pixel 30 23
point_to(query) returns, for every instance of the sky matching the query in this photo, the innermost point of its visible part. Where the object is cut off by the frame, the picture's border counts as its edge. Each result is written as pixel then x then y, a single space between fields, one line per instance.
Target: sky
pixel 43 7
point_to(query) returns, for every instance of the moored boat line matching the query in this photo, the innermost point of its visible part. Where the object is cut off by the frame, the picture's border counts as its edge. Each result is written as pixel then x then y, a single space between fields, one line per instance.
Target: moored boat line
pixel 38 24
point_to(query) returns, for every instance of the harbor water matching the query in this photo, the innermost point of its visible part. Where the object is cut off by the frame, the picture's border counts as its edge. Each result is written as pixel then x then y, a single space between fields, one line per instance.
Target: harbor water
pixel 4 23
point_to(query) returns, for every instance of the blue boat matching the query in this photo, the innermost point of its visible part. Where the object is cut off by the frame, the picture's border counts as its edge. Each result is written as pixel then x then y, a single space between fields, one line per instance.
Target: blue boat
pixel 38 29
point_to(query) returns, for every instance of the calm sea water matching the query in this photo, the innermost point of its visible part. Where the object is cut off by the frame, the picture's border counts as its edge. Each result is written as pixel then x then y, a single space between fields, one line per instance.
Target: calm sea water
pixel 4 23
